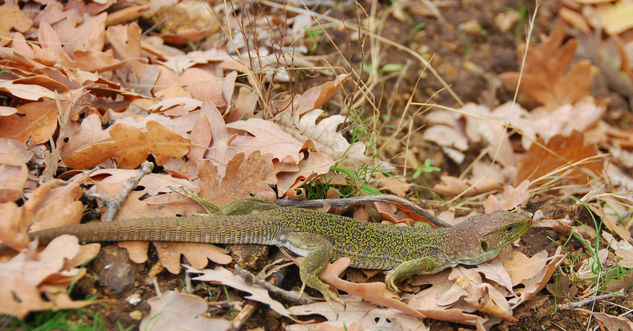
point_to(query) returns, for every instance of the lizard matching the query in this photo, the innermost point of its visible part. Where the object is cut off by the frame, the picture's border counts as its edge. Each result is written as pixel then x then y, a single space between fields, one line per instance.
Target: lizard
pixel 320 237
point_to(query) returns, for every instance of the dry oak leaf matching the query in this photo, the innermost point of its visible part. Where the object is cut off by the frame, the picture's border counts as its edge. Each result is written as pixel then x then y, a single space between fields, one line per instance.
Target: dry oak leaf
pixel 545 77
pixel 312 98
pixel 54 204
pixel 225 277
pixel 559 152
pixel 613 322
pixel 534 284
pixel 267 137
pixel 244 175
pixel 512 197
pixel 11 17
pixel 133 146
pixel 361 316
pixel 35 120
pixel 470 287
pixel 180 311
pixel 432 301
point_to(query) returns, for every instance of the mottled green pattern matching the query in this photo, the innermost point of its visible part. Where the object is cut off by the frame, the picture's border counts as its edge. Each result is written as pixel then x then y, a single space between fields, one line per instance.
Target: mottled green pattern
pixel 368 245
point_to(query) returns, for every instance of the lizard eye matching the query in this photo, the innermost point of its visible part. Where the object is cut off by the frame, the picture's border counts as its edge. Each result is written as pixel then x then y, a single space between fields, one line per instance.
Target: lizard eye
pixel 510 228
pixel 484 245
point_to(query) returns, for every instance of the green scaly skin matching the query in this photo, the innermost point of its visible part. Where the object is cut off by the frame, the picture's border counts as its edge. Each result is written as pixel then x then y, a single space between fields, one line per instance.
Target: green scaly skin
pixel 320 237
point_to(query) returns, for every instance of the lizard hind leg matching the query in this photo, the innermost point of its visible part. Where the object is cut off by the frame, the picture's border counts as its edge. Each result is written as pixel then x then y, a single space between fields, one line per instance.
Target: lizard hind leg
pixel 317 252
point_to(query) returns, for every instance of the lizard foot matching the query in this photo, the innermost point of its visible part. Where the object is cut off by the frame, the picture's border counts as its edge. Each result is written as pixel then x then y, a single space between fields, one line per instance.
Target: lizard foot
pixel 329 296
pixel 390 279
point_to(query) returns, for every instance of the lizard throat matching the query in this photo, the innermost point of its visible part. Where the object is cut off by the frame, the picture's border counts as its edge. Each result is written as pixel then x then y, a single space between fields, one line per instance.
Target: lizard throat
pixel 486 256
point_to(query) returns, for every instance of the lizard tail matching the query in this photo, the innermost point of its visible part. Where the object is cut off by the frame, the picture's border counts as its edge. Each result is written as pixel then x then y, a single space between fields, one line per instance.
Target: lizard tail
pixel 196 229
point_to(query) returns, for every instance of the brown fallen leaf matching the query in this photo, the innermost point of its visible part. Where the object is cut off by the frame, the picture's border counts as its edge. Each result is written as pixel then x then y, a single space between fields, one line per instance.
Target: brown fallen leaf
pixel 559 152
pixel 22 278
pixel 12 17
pixel 13 228
pixel 35 120
pixel 267 137
pixel 482 296
pixel 13 158
pixel 356 316
pixel 452 186
pixel 512 197
pixel 312 98
pixel 434 301
pixel 132 146
pixel 197 254
pixel 180 311
pixel 613 322
pixel 244 175
pixel 533 285
pixel 522 268
pixel 545 77
pixel 54 204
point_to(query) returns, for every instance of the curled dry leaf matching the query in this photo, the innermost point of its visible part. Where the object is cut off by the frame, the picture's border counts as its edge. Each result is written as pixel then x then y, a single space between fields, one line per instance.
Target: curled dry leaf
pixel 180 311
pixel 536 283
pixel 470 287
pixel 13 228
pixel 197 254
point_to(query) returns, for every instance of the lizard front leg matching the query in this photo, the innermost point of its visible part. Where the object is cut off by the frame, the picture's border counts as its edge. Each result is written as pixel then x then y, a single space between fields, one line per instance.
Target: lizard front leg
pixel 423 265
pixel 318 252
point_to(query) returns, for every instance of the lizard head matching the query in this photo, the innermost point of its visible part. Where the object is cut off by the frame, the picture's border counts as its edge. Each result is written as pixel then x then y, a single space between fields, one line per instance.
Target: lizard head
pixel 481 237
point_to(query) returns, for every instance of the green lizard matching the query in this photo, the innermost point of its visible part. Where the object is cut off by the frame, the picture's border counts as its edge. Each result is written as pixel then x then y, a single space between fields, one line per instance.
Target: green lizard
pixel 320 237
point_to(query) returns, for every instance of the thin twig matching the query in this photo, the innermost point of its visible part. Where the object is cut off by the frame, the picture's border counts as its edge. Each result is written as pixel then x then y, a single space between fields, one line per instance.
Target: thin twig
pixel 113 205
pixel 238 322
pixel 578 304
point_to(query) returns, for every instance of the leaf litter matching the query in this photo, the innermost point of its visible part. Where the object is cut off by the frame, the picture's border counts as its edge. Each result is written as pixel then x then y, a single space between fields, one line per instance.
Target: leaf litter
pixel 88 73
